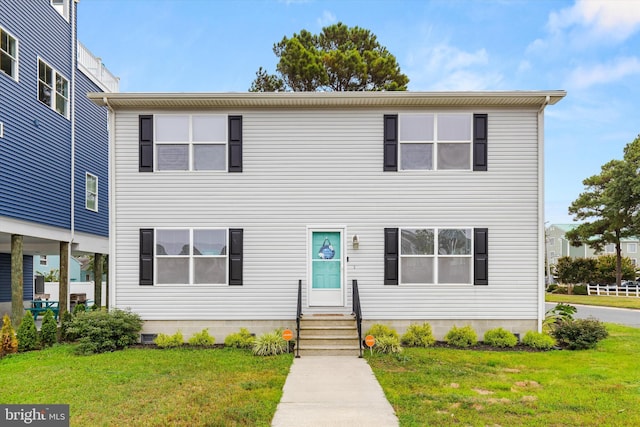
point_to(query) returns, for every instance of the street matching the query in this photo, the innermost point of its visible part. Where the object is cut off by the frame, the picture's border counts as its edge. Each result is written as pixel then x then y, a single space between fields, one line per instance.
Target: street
pixel 621 316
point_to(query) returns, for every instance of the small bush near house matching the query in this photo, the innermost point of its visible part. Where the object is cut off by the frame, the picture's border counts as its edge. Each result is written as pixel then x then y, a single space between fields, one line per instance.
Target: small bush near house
pixel 65 323
pixel 461 337
pixel 48 330
pixel 270 344
pixel 379 330
pixel 79 308
pixel 242 339
pixel 9 342
pixel 418 336
pixel 202 338
pixel 387 344
pixel 579 334
pixel 580 290
pixel 556 315
pixel 28 334
pixel 538 340
pixel 169 341
pixel 102 331
pixel 500 337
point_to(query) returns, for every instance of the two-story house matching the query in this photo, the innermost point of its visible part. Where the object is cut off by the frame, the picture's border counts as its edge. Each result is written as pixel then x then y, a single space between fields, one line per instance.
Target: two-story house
pixel 223 203
pixel 53 146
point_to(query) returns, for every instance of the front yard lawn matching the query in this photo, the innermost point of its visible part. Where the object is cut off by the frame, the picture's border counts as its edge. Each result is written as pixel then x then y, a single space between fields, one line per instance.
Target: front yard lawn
pixel 179 387
pixel 439 386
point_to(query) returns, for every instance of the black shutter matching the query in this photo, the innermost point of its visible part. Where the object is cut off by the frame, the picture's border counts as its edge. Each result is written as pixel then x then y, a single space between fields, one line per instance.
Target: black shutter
pixel 479 142
pixel 146 143
pixel 235 256
pixel 480 256
pixel 391 142
pixel 235 143
pixel 390 256
pixel 146 256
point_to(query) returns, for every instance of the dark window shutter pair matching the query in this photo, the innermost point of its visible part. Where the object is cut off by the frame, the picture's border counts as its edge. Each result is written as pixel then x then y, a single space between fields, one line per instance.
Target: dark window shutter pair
pixel 480 256
pixel 391 142
pixel 146 143
pixel 235 256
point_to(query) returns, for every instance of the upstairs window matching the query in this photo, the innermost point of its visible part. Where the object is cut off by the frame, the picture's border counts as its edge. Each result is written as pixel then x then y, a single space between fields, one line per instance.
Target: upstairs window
pixel 435 141
pixel 62 7
pixel 53 89
pixel 91 198
pixel 43 260
pixel 191 142
pixel 8 54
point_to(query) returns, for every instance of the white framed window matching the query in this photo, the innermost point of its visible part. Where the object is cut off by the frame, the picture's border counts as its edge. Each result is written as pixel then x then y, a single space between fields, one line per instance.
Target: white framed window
pixel 610 248
pixel 634 262
pixel 632 248
pixel 552 254
pixel 91 192
pixel 8 54
pixel 435 141
pixel 53 89
pixel 421 263
pixel 552 241
pixel 191 256
pixel 191 142
pixel 43 260
pixel 62 7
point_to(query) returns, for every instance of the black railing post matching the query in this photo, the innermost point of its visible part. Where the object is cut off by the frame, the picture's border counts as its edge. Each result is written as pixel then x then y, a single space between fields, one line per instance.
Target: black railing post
pixel 298 317
pixel 357 311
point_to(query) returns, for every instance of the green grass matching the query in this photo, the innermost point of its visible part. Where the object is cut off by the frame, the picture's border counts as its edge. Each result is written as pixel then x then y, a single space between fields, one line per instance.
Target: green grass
pixel 438 386
pixel 150 387
pixel 620 302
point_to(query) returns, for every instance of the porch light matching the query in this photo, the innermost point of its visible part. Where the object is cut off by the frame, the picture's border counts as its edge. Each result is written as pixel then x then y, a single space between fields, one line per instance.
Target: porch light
pixel 356 242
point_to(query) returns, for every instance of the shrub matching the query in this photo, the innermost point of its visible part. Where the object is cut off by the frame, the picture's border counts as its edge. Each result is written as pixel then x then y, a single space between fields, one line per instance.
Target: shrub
pixel 552 287
pixel 65 324
pixel 49 329
pixel 202 338
pixel 169 341
pixel 556 315
pixel 538 340
pixel 28 334
pixel 379 330
pixel 8 337
pixel 560 290
pixel 101 331
pixel 270 344
pixel 387 344
pixel 242 339
pixel 579 334
pixel 79 308
pixel 418 336
pixel 500 337
pixel 461 337
pixel 580 290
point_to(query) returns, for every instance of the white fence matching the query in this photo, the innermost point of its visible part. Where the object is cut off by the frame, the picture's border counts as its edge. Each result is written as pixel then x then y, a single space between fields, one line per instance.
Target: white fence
pixel 53 289
pixel 613 291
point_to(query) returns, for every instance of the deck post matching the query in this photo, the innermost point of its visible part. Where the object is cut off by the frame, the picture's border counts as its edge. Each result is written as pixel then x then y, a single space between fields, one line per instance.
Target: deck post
pixel 17 279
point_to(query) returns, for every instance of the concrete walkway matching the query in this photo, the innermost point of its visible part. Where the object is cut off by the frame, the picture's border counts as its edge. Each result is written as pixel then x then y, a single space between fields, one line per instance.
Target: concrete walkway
pixel 333 391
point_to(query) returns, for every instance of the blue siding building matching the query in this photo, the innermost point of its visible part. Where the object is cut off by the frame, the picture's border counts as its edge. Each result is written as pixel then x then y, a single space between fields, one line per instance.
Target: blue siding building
pixel 53 142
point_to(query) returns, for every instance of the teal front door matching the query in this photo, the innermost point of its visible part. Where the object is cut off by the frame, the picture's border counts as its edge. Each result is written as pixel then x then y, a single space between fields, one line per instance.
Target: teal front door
pixel 326 267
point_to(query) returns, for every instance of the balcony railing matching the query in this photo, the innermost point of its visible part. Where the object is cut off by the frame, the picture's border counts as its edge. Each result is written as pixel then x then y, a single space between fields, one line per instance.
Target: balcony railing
pixel 93 67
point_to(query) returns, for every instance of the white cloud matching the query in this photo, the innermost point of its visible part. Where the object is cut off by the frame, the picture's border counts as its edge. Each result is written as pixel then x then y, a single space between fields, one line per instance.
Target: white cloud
pixel 326 19
pixel 582 77
pixel 445 67
pixel 616 20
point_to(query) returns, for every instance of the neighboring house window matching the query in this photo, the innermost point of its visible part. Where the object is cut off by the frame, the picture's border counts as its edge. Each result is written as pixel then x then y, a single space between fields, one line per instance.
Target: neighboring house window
pixel 435 141
pixel 431 255
pixel 610 248
pixel 552 254
pixel 634 261
pixel 191 142
pixel 91 197
pixel 62 6
pixel 632 248
pixel 53 89
pixel 552 241
pixel 191 256
pixel 43 260
pixel 8 54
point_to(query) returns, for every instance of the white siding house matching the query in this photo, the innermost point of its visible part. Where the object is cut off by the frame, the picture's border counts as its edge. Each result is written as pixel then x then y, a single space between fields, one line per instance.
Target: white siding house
pixel 433 202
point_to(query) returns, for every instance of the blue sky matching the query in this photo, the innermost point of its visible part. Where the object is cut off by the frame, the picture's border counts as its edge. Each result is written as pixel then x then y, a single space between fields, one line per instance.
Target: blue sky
pixel 589 48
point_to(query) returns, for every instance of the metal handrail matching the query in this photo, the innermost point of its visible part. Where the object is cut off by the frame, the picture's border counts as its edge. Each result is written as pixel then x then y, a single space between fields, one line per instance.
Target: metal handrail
pixel 357 311
pixel 298 318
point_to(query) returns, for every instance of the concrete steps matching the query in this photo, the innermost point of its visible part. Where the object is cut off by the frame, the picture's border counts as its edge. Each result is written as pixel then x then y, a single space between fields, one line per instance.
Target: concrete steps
pixel 328 335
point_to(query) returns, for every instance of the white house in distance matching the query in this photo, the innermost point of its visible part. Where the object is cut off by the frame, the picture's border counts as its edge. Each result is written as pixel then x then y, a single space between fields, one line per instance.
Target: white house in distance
pixel 432 201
